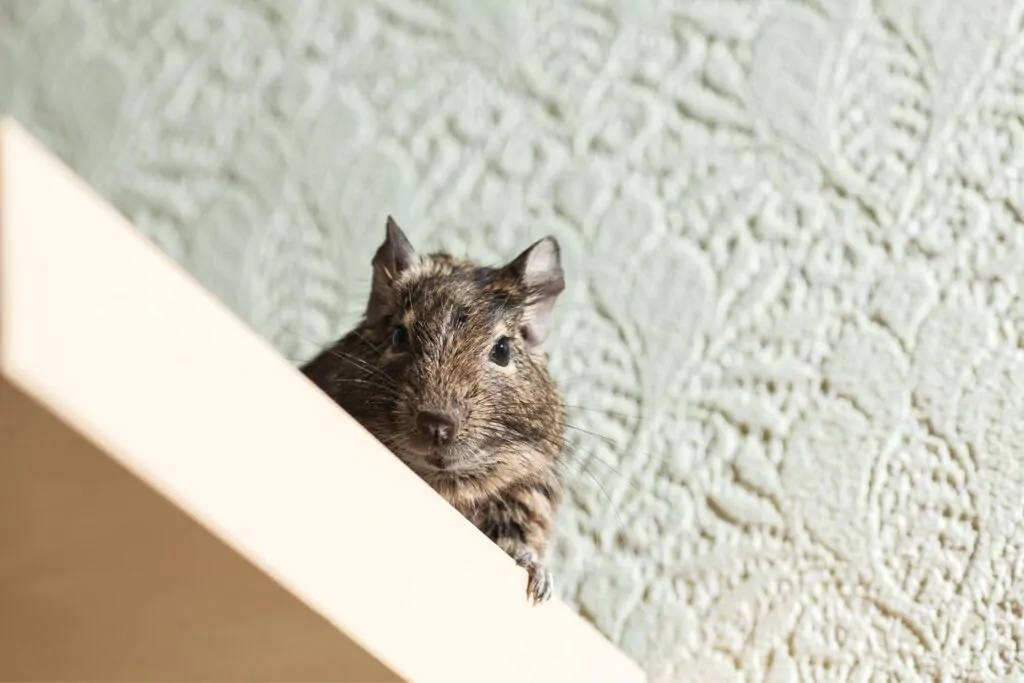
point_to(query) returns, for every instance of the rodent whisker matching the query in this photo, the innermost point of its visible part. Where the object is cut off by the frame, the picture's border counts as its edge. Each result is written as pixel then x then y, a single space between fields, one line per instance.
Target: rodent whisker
pixel 362 364
pixel 615 508
pixel 362 337
pixel 607 439
pixel 604 411
pixel 388 392
pixel 582 454
pixel 497 433
pixel 568 407
pixel 612 442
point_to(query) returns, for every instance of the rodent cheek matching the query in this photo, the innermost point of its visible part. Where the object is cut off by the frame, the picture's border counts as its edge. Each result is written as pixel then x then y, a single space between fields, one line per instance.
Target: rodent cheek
pixel 406 397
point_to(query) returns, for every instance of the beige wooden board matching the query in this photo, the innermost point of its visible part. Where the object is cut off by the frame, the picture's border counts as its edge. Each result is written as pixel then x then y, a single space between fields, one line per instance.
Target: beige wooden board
pixel 178 502
pixel 103 579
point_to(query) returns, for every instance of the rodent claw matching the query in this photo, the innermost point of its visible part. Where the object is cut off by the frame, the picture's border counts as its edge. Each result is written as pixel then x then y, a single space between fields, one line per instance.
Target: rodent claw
pixel 541 584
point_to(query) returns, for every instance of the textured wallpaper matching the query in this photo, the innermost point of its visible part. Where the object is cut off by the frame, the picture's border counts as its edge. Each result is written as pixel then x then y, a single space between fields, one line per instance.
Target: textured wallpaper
pixel 793 337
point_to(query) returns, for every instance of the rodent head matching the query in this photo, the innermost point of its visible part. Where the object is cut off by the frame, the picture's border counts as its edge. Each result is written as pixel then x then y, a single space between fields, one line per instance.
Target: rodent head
pixel 460 344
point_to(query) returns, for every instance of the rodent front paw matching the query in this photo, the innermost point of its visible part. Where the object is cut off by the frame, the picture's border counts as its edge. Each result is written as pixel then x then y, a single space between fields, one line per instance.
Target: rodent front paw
pixel 541 583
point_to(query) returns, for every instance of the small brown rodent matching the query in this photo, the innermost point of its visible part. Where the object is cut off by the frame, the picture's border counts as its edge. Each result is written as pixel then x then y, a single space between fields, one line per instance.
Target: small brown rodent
pixel 446 370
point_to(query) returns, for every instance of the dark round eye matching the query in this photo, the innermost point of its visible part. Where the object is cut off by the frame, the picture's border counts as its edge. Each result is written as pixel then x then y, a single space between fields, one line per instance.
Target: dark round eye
pixel 501 352
pixel 400 339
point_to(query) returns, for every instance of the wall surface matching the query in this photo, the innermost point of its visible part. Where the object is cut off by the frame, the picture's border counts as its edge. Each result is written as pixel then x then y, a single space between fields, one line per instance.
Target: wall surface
pixel 794 232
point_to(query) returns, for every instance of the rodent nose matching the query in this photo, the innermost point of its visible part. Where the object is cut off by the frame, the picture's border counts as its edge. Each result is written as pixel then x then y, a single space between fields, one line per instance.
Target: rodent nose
pixel 438 427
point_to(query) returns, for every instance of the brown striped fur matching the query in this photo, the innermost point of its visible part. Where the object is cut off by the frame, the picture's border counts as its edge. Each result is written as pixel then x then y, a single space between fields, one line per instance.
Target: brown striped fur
pixel 500 468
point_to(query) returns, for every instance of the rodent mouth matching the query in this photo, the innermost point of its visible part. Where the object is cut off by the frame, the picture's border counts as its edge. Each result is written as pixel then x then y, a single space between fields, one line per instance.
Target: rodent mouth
pixel 439 457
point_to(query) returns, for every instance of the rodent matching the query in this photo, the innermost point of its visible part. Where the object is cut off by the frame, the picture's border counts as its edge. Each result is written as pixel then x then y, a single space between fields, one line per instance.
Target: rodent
pixel 447 370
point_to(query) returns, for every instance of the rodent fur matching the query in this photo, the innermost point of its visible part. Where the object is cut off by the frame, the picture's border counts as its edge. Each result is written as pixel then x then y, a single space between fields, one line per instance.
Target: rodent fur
pixel 429 343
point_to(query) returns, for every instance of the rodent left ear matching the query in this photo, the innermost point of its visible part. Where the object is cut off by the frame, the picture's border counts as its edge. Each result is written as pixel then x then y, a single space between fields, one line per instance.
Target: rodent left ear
pixel 393 257
pixel 538 271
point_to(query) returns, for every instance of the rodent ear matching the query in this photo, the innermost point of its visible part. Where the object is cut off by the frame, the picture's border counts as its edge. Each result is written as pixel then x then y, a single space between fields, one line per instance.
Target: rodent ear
pixel 393 258
pixel 538 271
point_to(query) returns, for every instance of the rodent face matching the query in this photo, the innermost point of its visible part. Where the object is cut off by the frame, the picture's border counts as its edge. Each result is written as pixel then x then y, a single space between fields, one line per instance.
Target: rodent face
pixel 460 344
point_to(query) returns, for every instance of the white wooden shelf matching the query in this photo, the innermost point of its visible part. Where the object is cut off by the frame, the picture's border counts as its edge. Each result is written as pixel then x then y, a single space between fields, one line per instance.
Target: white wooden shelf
pixel 178 503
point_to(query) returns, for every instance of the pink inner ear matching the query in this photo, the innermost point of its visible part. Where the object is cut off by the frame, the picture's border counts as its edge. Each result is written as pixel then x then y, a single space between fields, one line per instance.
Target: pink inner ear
pixel 542 261
pixel 537 325
pixel 542 264
pixel 540 272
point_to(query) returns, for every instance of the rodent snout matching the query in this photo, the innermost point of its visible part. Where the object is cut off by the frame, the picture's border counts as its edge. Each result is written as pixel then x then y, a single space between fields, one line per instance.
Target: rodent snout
pixel 438 428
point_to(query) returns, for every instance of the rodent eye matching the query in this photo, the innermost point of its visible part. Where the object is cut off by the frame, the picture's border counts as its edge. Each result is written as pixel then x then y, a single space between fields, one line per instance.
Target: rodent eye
pixel 501 352
pixel 400 339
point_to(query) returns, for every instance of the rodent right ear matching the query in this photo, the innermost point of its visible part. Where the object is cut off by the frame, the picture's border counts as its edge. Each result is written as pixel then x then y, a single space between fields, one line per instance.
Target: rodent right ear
pixel 538 270
pixel 392 259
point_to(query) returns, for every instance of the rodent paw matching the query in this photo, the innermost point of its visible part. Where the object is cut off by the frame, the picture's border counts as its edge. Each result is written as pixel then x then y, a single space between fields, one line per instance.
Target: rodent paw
pixel 541 583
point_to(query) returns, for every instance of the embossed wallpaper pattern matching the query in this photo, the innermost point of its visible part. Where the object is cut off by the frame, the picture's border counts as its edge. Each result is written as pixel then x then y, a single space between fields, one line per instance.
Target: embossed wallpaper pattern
pixel 794 238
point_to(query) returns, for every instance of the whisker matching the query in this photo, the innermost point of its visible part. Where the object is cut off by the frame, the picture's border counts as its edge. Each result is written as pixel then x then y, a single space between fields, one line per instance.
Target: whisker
pixel 388 392
pixel 567 449
pixel 607 439
pixel 568 407
pixel 362 364
pixel 603 411
pixel 362 338
pixel 626 479
pixel 615 509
